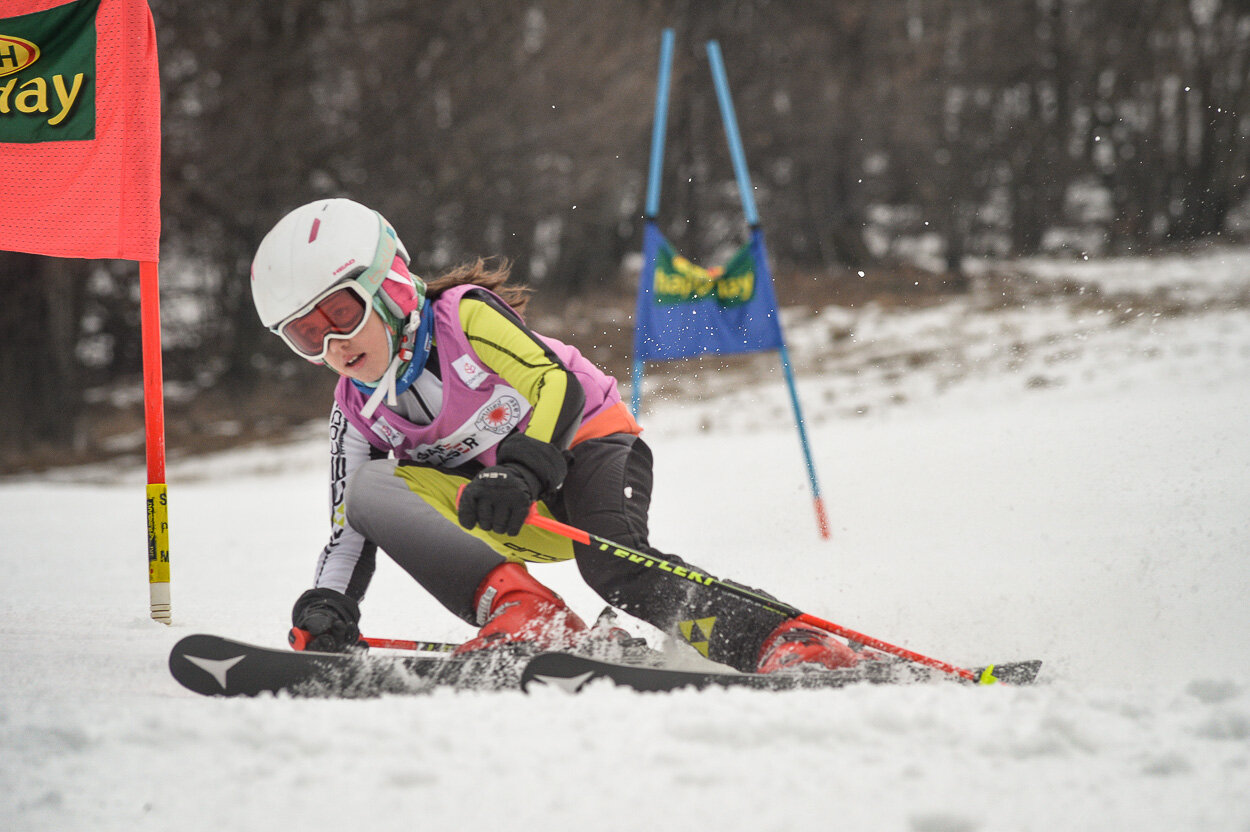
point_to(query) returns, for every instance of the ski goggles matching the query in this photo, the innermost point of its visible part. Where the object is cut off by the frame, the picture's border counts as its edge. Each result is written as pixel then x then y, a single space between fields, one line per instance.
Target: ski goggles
pixel 339 312
pixel 342 310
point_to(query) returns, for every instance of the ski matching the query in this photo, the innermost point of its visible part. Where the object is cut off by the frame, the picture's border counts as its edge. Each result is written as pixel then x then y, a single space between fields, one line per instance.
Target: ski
pixel 573 673
pixel 216 666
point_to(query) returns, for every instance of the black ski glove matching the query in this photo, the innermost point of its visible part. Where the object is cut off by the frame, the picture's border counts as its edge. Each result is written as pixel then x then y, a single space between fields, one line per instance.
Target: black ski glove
pixel 329 619
pixel 498 499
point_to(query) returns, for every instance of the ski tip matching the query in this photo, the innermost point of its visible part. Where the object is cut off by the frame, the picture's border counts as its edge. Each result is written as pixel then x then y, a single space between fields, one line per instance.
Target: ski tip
pixel 1009 673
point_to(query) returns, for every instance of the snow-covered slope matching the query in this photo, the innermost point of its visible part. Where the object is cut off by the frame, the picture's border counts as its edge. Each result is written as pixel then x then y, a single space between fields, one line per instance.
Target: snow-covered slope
pixel 1065 480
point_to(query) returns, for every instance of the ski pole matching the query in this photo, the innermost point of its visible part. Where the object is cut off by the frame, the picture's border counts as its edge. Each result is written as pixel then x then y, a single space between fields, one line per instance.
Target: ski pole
pixel 299 641
pixel 885 647
pixel 651 561
pixel 405 644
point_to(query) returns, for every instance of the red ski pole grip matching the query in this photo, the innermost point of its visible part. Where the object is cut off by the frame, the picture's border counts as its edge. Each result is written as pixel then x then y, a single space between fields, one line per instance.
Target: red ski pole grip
pixel 298 638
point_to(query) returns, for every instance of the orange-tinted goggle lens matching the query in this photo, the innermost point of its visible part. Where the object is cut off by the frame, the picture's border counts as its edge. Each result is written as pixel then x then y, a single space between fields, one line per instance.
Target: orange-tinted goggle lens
pixel 339 313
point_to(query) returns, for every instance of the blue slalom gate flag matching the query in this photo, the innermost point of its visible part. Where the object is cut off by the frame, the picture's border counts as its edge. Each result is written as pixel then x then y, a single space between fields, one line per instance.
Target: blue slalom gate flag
pixel 685 310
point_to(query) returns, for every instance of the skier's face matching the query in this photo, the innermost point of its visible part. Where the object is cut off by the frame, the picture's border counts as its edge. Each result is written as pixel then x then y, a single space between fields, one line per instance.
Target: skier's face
pixel 363 357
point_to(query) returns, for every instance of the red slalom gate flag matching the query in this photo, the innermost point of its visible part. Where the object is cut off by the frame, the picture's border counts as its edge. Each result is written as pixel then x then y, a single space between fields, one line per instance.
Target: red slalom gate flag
pixel 80 174
pixel 80 128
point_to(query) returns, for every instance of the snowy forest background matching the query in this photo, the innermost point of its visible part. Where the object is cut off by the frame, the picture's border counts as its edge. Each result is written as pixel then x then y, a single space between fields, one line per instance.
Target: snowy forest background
pixel 904 140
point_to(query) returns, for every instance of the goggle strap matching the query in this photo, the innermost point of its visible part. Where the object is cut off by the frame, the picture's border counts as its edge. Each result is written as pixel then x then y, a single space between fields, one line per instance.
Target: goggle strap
pixel 372 278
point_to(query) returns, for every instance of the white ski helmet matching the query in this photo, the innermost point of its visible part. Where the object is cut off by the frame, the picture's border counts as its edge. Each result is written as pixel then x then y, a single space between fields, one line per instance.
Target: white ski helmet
pixel 326 243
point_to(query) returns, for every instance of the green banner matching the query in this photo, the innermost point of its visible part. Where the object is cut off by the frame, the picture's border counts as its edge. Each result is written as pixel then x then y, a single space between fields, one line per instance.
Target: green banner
pixel 677 280
pixel 48 74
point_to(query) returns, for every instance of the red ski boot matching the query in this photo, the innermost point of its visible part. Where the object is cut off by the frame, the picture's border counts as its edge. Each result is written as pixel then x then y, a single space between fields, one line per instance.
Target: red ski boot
pixel 513 608
pixel 798 646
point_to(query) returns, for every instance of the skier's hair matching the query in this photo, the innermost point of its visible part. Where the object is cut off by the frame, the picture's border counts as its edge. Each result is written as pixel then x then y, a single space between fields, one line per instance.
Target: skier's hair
pixel 492 275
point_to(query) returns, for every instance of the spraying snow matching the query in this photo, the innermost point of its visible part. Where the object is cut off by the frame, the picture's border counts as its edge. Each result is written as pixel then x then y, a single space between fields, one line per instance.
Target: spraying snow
pixel 1065 480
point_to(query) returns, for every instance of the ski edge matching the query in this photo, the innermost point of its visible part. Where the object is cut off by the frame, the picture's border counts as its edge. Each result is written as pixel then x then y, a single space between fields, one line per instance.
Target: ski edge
pixel 573 674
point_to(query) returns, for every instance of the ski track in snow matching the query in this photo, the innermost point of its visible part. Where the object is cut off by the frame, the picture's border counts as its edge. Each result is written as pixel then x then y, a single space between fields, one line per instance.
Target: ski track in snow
pixel 1048 482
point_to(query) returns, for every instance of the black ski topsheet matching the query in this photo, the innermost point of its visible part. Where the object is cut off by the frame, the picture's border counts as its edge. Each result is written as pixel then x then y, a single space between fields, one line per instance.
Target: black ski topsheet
pixel 573 673
pixel 216 666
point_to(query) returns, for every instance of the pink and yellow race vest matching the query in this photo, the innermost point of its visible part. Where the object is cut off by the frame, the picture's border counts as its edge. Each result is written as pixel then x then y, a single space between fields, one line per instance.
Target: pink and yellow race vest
pixel 479 407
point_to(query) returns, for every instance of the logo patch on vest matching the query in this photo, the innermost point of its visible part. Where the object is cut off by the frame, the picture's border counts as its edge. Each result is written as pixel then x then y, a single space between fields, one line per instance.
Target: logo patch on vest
pixel 470 372
pixel 483 430
pixel 500 416
pixel 389 434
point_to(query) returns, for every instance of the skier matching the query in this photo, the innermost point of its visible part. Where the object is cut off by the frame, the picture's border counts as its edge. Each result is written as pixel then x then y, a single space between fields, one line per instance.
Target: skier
pixel 443 387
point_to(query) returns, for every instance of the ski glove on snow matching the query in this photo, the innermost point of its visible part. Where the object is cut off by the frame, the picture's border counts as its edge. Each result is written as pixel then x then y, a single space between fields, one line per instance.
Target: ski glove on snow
pixel 498 499
pixel 330 618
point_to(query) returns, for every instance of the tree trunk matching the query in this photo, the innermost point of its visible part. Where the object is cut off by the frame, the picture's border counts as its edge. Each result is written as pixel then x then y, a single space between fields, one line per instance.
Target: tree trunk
pixel 39 368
